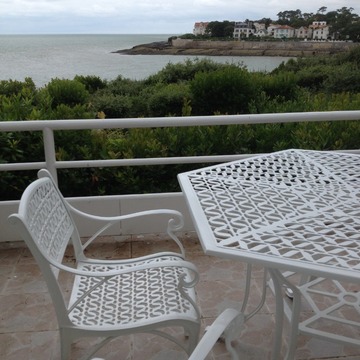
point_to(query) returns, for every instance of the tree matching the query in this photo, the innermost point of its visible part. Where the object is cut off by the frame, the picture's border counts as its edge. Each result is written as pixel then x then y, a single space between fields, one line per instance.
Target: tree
pixel 353 31
pixel 331 17
pixel 266 21
pixel 288 17
pixel 322 10
pixel 346 24
pixel 220 29
pixel 308 16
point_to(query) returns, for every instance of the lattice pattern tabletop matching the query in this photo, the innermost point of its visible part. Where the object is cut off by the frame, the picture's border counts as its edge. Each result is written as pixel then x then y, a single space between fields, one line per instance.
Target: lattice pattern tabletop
pixel 294 209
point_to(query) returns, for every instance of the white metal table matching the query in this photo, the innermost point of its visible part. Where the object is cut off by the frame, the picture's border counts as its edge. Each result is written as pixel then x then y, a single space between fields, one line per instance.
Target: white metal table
pixel 293 211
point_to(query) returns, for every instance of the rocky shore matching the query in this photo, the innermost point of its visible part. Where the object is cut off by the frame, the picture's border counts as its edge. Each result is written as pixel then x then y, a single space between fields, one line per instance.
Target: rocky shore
pixel 239 48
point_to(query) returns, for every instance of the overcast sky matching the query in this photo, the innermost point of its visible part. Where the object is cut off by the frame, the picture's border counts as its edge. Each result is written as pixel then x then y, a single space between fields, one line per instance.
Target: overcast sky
pixel 142 16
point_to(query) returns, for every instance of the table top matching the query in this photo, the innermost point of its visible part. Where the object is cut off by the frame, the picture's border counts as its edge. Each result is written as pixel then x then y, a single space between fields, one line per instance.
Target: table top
pixel 297 210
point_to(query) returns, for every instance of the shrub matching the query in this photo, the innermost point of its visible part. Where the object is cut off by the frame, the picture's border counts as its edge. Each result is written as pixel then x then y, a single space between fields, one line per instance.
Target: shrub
pixel 113 106
pixel 282 85
pixel 15 87
pixel 67 92
pixel 264 104
pixel 17 99
pixel 353 56
pixel 186 71
pixel 92 83
pixel 15 107
pixel 67 112
pixel 121 86
pixel 168 100
pixel 321 136
pixel 313 78
pixel 335 102
pixel 345 78
pixel 226 91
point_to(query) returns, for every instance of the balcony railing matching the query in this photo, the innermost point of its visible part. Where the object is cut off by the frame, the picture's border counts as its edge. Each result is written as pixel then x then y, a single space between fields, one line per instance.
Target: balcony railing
pixel 127 203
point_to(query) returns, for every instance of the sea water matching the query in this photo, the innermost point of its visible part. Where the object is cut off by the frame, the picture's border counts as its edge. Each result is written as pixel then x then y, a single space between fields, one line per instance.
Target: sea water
pixel 44 57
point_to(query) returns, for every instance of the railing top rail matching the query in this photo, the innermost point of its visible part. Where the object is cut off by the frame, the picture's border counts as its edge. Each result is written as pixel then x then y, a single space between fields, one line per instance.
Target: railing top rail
pixel 75 124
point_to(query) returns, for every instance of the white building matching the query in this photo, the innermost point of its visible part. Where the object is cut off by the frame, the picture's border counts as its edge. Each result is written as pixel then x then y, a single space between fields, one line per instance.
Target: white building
pixel 284 31
pixel 303 32
pixel 243 30
pixel 271 28
pixel 259 26
pixel 320 31
pixel 261 33
pixel 319 23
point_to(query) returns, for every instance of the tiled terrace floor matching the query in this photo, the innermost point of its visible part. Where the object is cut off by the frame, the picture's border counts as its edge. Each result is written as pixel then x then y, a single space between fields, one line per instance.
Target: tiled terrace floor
pixel 28 328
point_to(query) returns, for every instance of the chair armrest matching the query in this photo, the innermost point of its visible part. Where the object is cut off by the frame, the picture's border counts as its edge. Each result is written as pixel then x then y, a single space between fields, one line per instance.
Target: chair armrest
pixel 228 321
pixel 175 223
pixel 111 273
pixel 117 218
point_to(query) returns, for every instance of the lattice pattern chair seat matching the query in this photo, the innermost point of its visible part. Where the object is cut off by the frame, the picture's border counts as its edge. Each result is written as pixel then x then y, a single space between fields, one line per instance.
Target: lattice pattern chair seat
pixel 109 298
pixel 142 295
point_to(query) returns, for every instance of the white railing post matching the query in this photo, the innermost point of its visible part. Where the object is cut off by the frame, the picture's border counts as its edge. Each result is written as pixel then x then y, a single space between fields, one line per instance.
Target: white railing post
pixel 49 150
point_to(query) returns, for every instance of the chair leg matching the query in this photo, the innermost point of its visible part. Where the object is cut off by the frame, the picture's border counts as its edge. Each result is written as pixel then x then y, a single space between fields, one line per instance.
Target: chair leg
pixel 65 343
pixel 192 333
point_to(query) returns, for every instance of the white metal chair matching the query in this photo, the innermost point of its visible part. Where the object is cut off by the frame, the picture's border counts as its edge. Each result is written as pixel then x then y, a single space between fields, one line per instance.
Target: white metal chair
pixel 109 298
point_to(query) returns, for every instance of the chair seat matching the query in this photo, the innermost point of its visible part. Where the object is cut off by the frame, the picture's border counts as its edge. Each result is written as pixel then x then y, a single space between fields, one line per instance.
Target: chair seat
pixel 132 299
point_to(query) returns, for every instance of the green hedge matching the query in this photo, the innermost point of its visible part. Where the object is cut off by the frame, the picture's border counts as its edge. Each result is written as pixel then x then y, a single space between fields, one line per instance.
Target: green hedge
pixel 198 87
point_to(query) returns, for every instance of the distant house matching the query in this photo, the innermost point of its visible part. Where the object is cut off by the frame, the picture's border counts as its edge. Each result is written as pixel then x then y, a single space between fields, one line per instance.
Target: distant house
pixel 303 32
pixel 261 33
pixel 200 28
pixel 271 28
pixel 260 29
pixel 259 26
pixel 320 31
pixel 243 30
pixel 284 31
pixel 318 23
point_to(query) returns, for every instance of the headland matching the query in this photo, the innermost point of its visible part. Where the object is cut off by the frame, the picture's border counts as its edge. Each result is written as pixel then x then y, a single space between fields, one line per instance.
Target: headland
pixel 240 48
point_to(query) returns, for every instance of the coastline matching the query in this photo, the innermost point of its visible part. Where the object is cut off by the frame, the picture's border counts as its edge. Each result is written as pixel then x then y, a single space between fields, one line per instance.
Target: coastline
pixel 239 48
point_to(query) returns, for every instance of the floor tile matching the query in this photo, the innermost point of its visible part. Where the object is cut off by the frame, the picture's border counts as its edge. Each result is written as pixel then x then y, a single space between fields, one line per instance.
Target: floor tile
pixel 28 327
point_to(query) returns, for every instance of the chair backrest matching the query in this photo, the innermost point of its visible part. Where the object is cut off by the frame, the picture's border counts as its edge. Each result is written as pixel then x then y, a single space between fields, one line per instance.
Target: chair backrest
pixel 46 221
pixel 46 225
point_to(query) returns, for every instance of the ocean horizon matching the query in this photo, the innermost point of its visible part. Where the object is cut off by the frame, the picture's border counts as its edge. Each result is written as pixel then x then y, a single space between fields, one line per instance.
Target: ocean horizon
pixel 47 56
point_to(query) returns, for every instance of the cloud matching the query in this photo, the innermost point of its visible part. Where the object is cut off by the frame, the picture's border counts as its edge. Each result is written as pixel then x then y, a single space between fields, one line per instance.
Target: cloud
pixel 142 16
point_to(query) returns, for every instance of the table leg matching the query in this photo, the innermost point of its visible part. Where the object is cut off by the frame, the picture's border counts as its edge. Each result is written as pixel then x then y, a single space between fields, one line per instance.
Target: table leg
pixel 247 293
pixel 279 314
pixel 279 282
